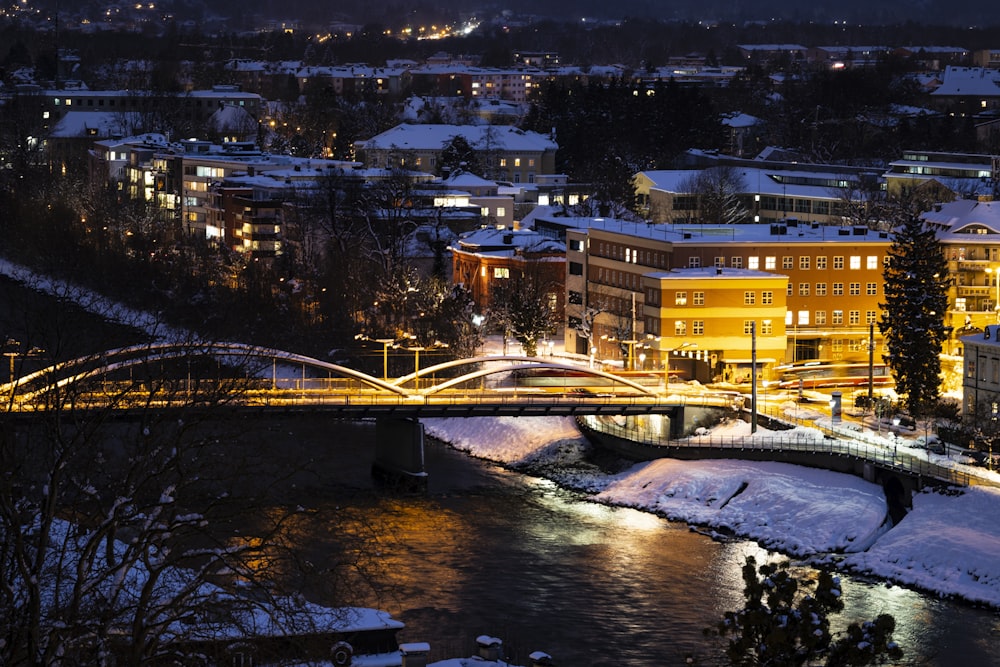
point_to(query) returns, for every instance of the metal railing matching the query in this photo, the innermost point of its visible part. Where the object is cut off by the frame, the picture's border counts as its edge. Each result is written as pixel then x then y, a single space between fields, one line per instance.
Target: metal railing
pixel 888 457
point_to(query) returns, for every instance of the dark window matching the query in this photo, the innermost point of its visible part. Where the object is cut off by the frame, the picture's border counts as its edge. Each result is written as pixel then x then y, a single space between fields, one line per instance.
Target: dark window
pixel 575 269
pixel 575 297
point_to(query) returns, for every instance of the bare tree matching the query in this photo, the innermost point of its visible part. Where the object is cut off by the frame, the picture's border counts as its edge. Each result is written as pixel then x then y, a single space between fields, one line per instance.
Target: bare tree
pixel 523 307
pixel 718 191
pixel 118 540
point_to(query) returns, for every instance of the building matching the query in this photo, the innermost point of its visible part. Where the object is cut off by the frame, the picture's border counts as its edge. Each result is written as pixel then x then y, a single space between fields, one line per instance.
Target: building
pixel 767 191
pixel 506 153
pixel 708 314
pixel 484 259
pixel 944 175
pixel 981 379
pixel 195 106
pixel 967 91
pixel 969 231
pixel 814 289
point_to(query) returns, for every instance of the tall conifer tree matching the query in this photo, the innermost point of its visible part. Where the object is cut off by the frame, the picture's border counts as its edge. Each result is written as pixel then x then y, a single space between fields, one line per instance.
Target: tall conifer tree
pixel 916 297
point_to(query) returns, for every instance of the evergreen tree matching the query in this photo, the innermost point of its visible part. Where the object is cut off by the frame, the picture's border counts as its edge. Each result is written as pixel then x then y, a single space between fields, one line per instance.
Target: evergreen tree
pixel 785 624
pixel 912 322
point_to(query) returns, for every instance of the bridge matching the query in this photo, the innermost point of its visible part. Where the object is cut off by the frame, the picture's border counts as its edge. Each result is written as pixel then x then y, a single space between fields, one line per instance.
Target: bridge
pixel 252 379
pixel 202 376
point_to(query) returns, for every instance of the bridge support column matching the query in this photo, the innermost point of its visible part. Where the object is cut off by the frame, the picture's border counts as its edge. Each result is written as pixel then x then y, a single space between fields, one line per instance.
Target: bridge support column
pixel 399 452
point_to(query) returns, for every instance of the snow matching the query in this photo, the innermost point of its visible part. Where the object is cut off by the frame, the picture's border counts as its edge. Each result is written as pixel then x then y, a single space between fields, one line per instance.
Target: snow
pixel 946 544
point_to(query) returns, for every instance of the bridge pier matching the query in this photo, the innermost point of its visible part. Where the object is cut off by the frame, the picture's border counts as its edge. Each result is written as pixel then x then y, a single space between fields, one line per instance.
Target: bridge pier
pixel 399 452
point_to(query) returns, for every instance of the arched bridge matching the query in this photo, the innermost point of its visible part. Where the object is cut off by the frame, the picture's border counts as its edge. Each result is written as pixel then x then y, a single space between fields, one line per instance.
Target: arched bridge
pixel 201 374
pixel 187 376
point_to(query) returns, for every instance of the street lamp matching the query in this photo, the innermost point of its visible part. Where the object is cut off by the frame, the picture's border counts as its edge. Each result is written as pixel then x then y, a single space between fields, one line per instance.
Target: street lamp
pixel 386 344
pixel 11 351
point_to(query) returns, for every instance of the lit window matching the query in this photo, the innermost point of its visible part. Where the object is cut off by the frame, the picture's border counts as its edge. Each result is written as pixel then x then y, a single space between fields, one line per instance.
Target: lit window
pixel 872 262
pixel 770 263
pixel 753 263
pixel 680 327
pixel 517 162
pixel 680 298
pixel 766 328
pixel 855 262
pixel 501 211
pixel 803 317
pixel 501 272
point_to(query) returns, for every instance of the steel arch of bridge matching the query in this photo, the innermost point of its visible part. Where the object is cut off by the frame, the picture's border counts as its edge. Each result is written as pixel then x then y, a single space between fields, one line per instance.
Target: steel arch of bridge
pixel 67 373
pixel 516 363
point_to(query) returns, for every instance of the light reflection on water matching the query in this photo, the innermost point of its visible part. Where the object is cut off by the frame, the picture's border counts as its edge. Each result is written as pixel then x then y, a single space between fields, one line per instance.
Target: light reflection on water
pixel 497 553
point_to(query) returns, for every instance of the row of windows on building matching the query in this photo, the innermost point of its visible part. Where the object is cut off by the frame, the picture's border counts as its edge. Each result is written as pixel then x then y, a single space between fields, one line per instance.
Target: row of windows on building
pixel 805 262
pixel 784 205
pixel 658 259
pixel 766 327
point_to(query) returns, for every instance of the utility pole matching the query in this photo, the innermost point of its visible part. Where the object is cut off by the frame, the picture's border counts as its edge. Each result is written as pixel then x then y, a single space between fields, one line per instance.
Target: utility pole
pixel 871 361
pixel 753 376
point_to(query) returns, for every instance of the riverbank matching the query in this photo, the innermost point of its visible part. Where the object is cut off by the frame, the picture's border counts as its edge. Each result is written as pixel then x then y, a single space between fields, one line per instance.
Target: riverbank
pixel 947 543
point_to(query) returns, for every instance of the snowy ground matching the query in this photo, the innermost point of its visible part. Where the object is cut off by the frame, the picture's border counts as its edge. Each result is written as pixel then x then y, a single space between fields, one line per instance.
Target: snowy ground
pixel 947 543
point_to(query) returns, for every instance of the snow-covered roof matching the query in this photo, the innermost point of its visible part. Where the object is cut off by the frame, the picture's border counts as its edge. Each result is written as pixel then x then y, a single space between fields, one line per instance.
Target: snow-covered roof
pixel 968 81
pixel 433 137
pixel 700 235
pixel 98 124
pixel 763 181
pixel 957 220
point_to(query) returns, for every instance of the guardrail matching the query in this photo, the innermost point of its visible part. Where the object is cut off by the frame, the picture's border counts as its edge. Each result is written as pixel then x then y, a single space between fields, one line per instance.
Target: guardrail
pixel 893 458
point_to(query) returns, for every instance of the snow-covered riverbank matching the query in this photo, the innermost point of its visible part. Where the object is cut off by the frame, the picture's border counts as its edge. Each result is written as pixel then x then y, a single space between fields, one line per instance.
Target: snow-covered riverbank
pixel 947 543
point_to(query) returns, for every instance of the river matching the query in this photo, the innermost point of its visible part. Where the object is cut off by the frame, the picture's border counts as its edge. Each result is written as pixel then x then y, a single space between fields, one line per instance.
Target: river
pixel 490 551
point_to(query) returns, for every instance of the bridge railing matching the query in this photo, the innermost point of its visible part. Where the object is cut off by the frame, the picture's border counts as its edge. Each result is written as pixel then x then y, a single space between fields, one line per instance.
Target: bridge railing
pixel 887 457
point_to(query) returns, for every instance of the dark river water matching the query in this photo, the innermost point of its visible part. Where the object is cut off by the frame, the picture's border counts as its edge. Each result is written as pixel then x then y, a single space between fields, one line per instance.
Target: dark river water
pixel 489 551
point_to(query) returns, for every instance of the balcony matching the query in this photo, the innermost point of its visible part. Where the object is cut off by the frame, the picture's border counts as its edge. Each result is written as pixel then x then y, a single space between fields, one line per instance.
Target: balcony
pixel 975 290
pixel 974 264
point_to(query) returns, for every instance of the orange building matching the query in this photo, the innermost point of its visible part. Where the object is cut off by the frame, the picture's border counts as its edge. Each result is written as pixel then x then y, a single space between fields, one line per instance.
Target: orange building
pixel 484 258
pixel 821 304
